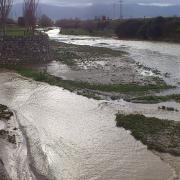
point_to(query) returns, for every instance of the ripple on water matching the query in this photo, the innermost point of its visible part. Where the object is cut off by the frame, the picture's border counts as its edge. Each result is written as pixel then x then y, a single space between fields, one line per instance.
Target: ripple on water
pixel 77 135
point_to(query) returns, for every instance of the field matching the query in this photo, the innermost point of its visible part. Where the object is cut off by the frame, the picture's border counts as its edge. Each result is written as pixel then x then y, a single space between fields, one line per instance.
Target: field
pixel 14 30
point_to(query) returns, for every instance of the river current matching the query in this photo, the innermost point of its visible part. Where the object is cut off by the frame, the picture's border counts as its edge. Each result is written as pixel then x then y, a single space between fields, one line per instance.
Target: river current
pixel 75 138
pixel 162 56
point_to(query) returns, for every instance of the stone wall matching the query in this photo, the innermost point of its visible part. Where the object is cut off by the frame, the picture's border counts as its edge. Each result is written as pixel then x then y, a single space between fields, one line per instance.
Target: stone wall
pixel 23 50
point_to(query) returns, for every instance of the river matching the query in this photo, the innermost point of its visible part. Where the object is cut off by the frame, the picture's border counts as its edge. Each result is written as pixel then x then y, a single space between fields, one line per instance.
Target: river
pixel 75 138
pixel 165 57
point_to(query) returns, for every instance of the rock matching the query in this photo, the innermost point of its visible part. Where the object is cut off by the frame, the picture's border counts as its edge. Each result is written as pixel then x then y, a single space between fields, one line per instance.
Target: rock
pixel 168 108
pixel 12 139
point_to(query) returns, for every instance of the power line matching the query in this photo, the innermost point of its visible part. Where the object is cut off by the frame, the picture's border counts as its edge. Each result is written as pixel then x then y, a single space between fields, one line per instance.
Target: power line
pixel 114 10
pixel 121 8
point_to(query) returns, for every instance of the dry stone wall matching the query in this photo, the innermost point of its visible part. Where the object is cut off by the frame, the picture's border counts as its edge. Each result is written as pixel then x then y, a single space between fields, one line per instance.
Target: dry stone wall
pixel 22 50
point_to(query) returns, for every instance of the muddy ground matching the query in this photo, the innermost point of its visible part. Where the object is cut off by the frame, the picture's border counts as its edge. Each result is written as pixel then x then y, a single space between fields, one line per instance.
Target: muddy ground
pixel 98 65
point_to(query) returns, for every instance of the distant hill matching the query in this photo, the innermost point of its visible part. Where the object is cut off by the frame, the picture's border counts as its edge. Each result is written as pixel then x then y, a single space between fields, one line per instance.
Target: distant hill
pixel 130 10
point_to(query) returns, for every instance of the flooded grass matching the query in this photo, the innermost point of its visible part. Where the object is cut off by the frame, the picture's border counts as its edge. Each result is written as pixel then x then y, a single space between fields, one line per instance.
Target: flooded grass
pixel 160 135
pixel 157 99
pixel 75 85
pixel 69 53
pixel 5 113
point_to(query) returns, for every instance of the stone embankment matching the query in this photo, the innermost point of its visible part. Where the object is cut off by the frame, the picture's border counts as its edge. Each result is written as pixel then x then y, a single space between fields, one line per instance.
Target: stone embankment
pixel 27 49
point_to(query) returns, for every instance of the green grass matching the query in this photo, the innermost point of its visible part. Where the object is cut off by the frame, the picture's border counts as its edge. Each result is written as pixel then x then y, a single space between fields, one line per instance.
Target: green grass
pixel 3 178
pixel 157 134
pixel 17 31
pixel 157 99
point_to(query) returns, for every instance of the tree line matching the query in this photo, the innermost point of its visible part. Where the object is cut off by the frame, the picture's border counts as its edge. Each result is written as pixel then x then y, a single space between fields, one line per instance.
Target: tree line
pixel 158 28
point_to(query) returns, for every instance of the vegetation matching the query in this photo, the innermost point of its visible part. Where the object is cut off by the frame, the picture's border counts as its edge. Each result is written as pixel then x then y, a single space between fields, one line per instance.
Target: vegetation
pixel 150 29
pixel 67 54
pixel 5 8
pixel 28 20
pixel 4 113
pixel 45 21
pixel 159 135
pixel 3 178
pixel 159 28
pixel 97 27
pixel 78 85
pixel 81 31
pixel 15 30
pixel 156 99
pixel 30 14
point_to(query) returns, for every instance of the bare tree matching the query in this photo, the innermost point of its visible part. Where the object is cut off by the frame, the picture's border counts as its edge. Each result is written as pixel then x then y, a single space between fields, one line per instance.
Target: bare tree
pixel 30 13
pixel 5 7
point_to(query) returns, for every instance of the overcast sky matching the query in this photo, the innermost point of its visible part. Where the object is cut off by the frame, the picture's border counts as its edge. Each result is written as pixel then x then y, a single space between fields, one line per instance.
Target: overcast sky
pixel 91 2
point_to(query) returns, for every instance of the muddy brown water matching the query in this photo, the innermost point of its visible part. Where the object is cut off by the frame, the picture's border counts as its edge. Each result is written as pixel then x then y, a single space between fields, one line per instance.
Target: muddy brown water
pixel 73 137
pixel 161 56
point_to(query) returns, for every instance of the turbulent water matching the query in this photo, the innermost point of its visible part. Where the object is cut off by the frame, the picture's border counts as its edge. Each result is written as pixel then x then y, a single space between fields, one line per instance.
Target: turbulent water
pixel 162 56
pixel 75 138
pixel 72 137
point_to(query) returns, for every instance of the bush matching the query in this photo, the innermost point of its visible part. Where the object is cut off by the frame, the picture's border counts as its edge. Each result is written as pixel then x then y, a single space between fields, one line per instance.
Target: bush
pixel 154 28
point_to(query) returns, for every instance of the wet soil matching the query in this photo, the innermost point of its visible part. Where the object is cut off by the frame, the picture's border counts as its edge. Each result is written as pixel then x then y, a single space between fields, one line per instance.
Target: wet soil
pixel 97 65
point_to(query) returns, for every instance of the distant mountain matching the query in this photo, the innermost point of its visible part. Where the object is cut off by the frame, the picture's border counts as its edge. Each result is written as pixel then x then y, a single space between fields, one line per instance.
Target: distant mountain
pixel 129 10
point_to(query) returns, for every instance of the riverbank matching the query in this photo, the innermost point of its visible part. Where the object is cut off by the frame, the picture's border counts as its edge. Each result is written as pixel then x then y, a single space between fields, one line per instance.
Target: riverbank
pixel 105 70
pixel 14 160
pixel 150 29
pixel 47 113
pixel 88 89
pixel 18 50
pixel 95 72
pixel 5 115
pixel 82 32
pixel 164 29
pixel 160 135
pixel 98 72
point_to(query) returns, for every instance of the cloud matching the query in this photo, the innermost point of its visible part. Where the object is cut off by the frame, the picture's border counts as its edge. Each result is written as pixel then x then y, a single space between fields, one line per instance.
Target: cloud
pixel 157 4
pixel 84 3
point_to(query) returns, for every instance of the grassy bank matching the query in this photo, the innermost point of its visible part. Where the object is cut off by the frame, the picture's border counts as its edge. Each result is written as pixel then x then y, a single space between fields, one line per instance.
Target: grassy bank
pixel 156 28
pixel 157 134
pixel 76 85
pixel 156 99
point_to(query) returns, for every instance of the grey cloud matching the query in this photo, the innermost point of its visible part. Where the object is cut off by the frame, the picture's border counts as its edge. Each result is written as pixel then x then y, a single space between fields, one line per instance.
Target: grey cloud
pixel 90 2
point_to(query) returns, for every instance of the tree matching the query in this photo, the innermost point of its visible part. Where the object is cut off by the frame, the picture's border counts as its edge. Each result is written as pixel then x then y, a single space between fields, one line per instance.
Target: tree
pixel 155 28
pixel 45 21
pixel 5 8
pixel 30 13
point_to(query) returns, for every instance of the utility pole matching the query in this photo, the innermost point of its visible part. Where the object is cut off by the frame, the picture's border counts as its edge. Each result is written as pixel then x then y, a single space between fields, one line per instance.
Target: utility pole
pixel 114 11
pixel 121 8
